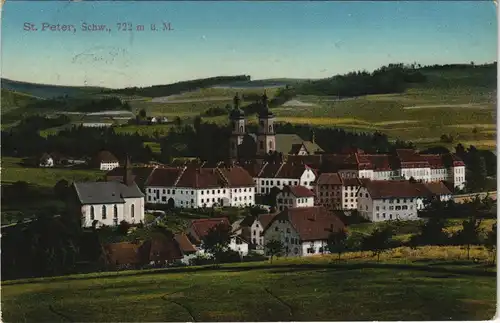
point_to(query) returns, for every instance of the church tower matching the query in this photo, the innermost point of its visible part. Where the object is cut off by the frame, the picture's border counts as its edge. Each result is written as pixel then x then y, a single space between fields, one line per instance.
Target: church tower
pixel 266 138
pixel 237 123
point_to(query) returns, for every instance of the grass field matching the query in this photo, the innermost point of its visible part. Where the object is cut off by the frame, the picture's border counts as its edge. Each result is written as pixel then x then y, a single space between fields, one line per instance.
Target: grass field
pixel 313 289
pixel 45 177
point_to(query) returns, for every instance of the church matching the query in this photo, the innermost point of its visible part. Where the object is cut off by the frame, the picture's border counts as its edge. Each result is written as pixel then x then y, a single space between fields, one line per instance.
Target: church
pixel 245 145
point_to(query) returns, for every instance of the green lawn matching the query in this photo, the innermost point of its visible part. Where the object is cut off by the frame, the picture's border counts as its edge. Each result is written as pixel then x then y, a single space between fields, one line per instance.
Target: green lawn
pixel 314 289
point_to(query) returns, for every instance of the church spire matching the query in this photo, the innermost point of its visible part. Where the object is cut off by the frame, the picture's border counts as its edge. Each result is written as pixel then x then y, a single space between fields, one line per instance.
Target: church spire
pixel 265 101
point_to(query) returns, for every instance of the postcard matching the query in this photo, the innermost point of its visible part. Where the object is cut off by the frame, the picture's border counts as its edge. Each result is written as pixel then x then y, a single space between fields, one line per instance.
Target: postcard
pixel 248 161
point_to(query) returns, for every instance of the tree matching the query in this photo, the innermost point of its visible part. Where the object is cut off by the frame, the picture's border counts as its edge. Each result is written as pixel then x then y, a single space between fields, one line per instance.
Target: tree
pixel 378 241
pixel 217 240
pixel 337 242
pixel 142 114
pixel 123 228
pixel 178 121
pixel 491 241
pixel 469 234
pixel 431 233
pixel 274 247
pixel 61 189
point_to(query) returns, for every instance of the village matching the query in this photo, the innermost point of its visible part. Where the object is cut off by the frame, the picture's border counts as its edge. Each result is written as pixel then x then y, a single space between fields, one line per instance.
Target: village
pixel 300 195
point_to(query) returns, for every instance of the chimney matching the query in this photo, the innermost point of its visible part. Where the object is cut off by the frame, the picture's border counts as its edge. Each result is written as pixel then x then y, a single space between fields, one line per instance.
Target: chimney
pixel 127 176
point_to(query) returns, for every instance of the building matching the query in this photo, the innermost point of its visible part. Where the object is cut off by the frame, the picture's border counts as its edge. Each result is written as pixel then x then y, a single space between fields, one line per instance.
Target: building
pixel 252 229
pixel 200 228
pixel 46 161
pixel 397 200
pixel 328 190
pixel 278 175
pixel 140 175
pixel 402 164
pixel 294 196
pixel 243 145
pixel 194 187
pixel 105 160
pixel 107 203
pixel 303 231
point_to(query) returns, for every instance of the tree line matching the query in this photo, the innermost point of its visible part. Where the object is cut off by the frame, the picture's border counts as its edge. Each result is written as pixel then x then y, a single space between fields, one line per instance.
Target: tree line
pixel 179 87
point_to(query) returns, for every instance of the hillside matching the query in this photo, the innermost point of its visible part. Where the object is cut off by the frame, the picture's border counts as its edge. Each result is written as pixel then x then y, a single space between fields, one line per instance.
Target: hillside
pixel 312 289
pixel 47 90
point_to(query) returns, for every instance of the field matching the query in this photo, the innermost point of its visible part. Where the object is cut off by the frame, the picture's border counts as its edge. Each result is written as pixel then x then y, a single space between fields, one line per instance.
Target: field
pixel 420 115
pixel 425 286
pixel 45 177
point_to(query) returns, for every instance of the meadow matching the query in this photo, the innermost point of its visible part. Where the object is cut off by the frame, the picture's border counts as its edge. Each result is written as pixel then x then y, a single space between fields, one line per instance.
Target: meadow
pixel 420 115
pixel 12 172
pixel 426 284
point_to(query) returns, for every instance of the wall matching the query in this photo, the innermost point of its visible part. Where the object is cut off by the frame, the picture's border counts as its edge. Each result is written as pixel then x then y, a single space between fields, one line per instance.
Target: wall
pixel 283 230
pixel 317 246
pixel 123 211
pixel 109 166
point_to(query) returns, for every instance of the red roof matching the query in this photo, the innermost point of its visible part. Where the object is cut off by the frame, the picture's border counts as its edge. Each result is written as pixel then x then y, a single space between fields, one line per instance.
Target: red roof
pixel 404 189
pixel 311 223
pixel 200 178
pixel 201 227
pixel 184 244
pixel 298 191
pixel 329 179
pixel 237 176
pixel 265 219
pixel 164 177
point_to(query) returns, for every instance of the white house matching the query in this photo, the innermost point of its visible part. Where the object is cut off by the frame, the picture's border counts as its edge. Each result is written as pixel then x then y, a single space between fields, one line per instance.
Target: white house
pixel 281 174
pixel 192 187
pixel 108 203
pixel 397 200
pixel 303 231
pixel 294 196
pixel 252 229
pixel 46 161
pixel 105 160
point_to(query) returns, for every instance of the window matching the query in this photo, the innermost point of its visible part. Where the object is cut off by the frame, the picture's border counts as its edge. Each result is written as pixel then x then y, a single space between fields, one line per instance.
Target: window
pixel 192 192
pixel 262 182
pixel 164 198
pixel 213 191
pixel 218 191
pixel 163 191
pixel 391 208
pixel 397 200
pixel 377 208
pixel 104 212
pixel 202 192
pixel 201 200
pixel 115 212
pixel 92 213
pixel 173 192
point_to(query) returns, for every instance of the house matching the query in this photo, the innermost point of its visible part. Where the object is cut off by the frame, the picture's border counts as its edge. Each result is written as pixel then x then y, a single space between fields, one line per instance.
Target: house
pixel 46 161
pixel 252 229
pixel 187 249
pixel 161 249
pixel 328 191
pixel 200 228
pixel 108 203
pixel 397 200
pixel 350 187
pixel 105 160
pixel 277 175
pixel 294 196
pixel 402 164
pixel 194 187
pixel 303 231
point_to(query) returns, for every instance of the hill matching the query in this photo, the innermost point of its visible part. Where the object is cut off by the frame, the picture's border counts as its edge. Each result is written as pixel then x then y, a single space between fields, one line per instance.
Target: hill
pixel 46 90
pixel 312 289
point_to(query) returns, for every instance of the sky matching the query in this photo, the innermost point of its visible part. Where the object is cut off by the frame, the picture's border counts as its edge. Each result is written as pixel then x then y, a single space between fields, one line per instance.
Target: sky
pixel 211 38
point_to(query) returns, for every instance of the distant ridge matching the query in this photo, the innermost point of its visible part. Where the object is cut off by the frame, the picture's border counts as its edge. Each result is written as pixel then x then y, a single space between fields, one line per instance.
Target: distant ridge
pixel 47 91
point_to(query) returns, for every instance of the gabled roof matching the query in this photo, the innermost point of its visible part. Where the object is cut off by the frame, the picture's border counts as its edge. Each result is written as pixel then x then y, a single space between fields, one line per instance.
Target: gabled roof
pixel 404 189
pixel 184 244
pixel 106 192
pixel 265 219
pixel 237 176
pixel 298 191
pixel 311 223
pixel 282 170
pixel 285 142
pixel 164 176
pixel 329 179
pixel 296 149
pixel 200 178
pixel 122 253
pixel 201 227
pixel 140 174
pixel 105 156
